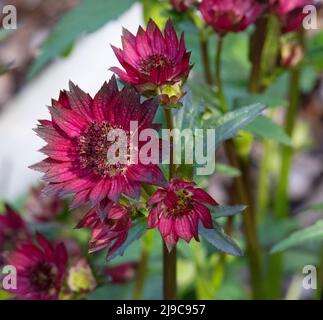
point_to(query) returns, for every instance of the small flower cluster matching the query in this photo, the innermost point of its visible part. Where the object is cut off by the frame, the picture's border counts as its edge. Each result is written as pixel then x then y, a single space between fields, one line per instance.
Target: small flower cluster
pixel 48 270
pixel 156 65
pixel 236 15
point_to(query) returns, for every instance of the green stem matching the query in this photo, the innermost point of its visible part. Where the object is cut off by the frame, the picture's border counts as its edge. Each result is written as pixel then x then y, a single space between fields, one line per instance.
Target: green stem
pixel 141 274
pixel 204 44
pixel 263 187
pixel 241 187
pixel 281 199
pixel 218 76
pixel 170 257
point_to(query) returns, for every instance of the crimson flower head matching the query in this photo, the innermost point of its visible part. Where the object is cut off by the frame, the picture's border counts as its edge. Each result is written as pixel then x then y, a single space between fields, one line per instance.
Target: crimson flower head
pixel 177 210
pixel 12 228
pixel 78 142
pixel 40 269
pixel 182 5
pixel 230 15
pixel 155 63
pixel 40 208
pixel 121 273
pixel 111 231
pixel 290 12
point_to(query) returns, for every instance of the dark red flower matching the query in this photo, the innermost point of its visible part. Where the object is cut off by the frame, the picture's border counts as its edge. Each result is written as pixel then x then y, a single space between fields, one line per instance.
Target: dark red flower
pixel 77 144
pixel 290 12
pixel 40 269
pixel 43 208
pixel 177 210
pixel 111 231
pixel 182 5
pixel 153 62
pixel 12 228
pixel 121 273
pixel 230 15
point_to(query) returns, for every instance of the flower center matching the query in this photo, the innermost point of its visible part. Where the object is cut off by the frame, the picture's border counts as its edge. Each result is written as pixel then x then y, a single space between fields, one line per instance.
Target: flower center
pixel 154 61
pixel 184 203
pixel 93 148
pixel 42 277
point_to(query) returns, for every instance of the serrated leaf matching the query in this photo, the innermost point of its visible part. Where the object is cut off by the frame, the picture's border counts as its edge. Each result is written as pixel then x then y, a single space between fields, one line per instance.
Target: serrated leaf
pixel 87 17
pixel 229 124
pixel 188 116
pixel 218 239
pixel 226 211
pixel 264 127
pixel 136 232
pixel 312 233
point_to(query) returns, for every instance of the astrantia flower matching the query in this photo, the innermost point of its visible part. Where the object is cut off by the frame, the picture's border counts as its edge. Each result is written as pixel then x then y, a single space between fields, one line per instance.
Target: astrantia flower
pixel 40 208
pixel 111 231
pixel 177 210
pixel 230 15
pixel 121 273
pixel 77 144
pixel 12 228
pixel 40 269
pixel 290 12
pixel 153 62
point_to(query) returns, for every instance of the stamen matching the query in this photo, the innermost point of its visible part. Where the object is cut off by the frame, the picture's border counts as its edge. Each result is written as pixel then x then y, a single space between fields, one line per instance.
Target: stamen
pixel 93 147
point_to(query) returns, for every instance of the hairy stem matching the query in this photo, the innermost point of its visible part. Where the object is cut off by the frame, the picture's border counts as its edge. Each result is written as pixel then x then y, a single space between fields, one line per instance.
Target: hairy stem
pixel 170 257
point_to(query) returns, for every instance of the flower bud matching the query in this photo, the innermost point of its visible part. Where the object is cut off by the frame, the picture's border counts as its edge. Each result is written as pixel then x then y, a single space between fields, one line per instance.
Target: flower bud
pixel 80 277
pixel 230 15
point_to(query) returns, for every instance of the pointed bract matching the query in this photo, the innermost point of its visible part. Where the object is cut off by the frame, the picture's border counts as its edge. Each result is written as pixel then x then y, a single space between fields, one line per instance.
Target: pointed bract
pixel 77 144
pixel 152 60
pixel 177 210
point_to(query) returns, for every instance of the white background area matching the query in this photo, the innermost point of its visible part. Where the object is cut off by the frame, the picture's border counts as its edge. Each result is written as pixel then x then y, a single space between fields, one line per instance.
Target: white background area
pixel 88 67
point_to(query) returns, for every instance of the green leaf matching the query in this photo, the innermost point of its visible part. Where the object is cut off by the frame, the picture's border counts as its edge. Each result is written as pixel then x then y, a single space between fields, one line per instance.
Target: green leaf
pixel 266 128
pixel 226 170
pixel 314 51
pixel 136 232
pixel 188 116
pixel 226 211
pixel 156 10
pixel 229 124
pixel 312 233
pixel 218 239
pixel 87 17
